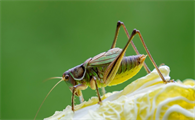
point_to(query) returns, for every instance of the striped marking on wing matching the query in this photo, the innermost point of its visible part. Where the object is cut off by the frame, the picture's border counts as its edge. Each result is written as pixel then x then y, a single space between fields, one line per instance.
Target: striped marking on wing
pixel 105 57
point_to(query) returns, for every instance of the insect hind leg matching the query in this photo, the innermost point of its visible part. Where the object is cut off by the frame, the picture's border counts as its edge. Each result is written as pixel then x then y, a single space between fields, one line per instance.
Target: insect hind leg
pixel 150 56
pixel 119 23
pixel 112 68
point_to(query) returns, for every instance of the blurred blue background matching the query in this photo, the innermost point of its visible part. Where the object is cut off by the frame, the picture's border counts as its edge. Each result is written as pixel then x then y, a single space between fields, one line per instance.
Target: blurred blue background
pixel 42 39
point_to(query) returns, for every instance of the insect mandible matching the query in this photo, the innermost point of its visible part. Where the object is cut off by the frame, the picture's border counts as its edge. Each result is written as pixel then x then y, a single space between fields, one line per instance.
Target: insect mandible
pixel 107 68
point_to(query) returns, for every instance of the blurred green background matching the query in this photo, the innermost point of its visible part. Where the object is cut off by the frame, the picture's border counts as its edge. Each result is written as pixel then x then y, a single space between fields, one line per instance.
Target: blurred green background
pixel 42 39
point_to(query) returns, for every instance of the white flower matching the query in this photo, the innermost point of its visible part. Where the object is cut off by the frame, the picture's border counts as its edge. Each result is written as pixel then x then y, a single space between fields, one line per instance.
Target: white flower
pixel 147 98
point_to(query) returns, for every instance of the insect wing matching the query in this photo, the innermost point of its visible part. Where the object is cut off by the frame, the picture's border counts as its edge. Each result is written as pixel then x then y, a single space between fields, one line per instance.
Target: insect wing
pixel 105 57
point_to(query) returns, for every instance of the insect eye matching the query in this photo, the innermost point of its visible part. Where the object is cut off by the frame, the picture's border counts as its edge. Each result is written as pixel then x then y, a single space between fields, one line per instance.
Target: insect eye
pixel 66 77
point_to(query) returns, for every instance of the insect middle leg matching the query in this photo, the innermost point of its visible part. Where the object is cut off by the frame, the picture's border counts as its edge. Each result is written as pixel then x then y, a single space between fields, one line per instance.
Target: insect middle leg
pixel 93 84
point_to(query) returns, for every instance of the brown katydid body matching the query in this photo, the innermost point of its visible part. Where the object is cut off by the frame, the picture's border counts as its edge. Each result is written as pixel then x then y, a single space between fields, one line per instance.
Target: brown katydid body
pixel 106 69
pixel 89 70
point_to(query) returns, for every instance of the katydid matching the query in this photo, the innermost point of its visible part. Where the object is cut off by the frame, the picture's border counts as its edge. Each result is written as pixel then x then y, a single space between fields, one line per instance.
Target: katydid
pixel 107 68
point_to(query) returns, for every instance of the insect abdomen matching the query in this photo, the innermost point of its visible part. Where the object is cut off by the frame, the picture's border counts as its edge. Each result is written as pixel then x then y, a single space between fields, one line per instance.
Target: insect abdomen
pixel 129 67
pixel 130 62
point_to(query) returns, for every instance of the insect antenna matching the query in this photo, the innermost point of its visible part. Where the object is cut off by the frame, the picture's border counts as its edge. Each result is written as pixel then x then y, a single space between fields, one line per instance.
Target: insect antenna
pixel 48 95
pixel 52 78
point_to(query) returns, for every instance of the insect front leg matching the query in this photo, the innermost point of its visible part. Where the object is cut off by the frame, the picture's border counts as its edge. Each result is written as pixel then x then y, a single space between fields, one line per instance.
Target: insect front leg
pixel 119 23
pixel 76 90
pixel 81 99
